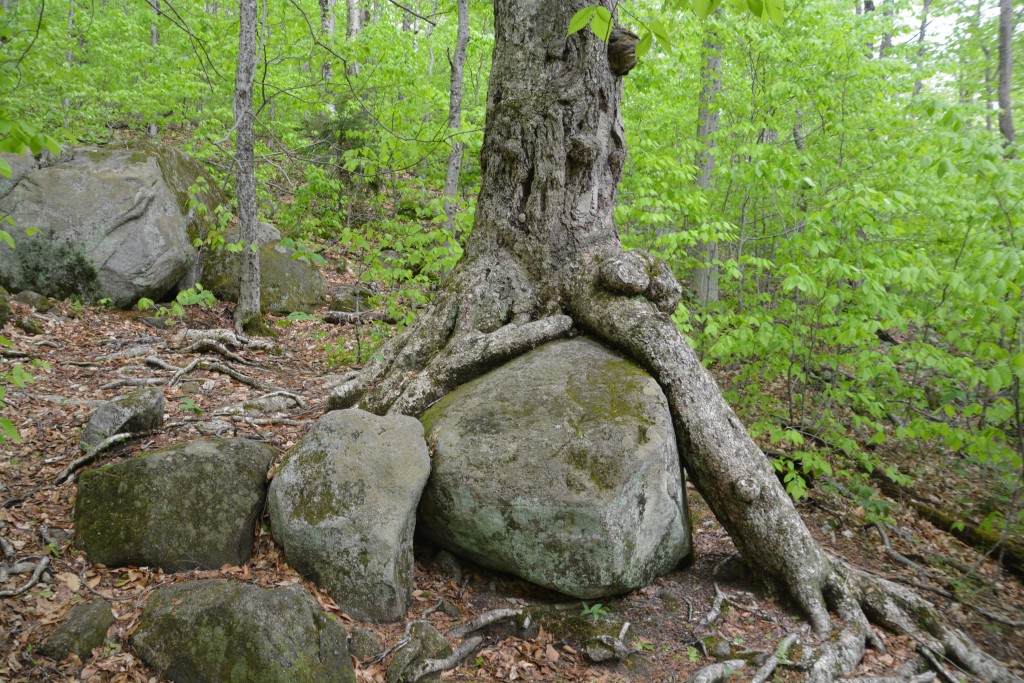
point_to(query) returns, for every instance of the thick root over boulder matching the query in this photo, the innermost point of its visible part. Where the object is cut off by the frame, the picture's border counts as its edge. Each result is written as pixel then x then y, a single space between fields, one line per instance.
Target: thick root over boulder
pixel 476 324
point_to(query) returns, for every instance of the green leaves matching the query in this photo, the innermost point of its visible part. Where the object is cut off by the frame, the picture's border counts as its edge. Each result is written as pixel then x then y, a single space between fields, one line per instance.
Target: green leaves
pixel 580 19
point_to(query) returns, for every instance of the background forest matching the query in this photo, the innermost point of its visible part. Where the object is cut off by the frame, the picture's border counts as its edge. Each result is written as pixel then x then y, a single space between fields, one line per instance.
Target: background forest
pixel 838 192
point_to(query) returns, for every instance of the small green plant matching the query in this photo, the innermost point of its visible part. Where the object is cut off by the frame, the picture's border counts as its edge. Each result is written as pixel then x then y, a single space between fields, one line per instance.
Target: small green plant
pixel 193 296
pixel 145 304
pixel 189 404
pixel 692 653
pixel 595 611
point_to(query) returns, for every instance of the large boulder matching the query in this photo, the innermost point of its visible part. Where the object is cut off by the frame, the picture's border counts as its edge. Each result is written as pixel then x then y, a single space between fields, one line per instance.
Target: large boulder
pixel 560 467
pixel 343 506
pixel 85 629
pixel 141 410
pixel 286 284
pixel 227 632
pixel 189 506
pixel 113 222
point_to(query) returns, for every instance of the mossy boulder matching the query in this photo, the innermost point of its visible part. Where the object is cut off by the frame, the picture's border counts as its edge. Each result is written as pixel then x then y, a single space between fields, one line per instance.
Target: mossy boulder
pixel 139 411
pixel 189 506
pixel 85 629
pixel 116 221
pixel 560 467
pixel 34 299
pixel 286 284
pixel 350 299
pixel 226 632
pixel 343 507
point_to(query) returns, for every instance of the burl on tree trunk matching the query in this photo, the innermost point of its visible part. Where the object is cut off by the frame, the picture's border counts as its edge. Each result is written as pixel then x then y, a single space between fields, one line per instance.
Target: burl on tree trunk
pixel 544 258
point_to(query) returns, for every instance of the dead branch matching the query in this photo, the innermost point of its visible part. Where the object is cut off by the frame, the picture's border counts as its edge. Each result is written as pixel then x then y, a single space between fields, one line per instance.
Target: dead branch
pixel 927 677
pixel 33 580
pixel 92 454
pixel 13 353
pixel 485 619
pixel 263 421
pixel 433 666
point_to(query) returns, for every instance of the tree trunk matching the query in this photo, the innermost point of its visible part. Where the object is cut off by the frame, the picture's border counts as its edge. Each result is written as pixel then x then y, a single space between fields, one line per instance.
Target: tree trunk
pixel 705 276
pixel 248 306
pixel 1006 71
pixel 327 25
pixel 544 258
pixel 451 179
pixel 921 44
pixel 355 16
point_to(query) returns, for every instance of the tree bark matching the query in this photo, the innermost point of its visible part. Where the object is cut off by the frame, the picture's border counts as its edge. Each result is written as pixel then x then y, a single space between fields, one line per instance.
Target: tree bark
pixel 248 306
pixel 354 25
pixel 921 44
pixel 327 25
pixel 451 179
pixel 1006 71
pixel 705 276
pixel 544 258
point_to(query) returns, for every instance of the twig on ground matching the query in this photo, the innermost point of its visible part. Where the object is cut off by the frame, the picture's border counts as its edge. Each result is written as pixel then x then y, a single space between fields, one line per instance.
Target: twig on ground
pixel 236 375
pixel 433 666
pixel 92 454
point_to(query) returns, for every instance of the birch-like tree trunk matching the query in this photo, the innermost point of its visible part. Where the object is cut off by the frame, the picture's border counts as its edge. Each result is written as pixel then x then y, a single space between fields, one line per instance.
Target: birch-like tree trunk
pixel 544 259
pixel 1006 71
pixel 451 178
pixel 248 306
pixel 704 282
pixel 327 25
pixel 355 20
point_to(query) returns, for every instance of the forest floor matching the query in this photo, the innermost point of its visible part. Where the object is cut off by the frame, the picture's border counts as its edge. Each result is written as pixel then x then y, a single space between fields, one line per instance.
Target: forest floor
pixel 667 619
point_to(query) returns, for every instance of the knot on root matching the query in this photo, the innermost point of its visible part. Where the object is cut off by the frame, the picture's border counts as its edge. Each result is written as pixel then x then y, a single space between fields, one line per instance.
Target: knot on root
pixel 637 272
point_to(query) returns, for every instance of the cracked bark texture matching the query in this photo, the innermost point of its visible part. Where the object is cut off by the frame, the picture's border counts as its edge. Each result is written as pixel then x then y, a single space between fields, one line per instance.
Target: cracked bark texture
pixel 544 258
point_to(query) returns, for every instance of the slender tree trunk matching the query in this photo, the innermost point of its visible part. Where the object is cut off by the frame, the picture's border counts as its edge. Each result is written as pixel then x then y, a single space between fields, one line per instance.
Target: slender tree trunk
pixel 544 258
pixel 248 306
pixel 327 25
pixel 921 45
pixel 705 275
pixel 451 179
pixel 154 32
pixel 354 25
pixel 1006 71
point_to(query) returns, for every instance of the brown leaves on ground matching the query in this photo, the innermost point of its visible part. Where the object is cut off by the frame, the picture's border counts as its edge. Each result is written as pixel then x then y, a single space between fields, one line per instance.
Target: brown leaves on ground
pixel 664 617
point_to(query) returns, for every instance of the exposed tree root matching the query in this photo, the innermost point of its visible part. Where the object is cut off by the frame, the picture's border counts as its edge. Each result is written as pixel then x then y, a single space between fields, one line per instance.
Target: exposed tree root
pixel 434 666
pixel 717 673
pixel 768 668
pixel 92 454
pixel 483 621
pixel 623 301
pixel 37 572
